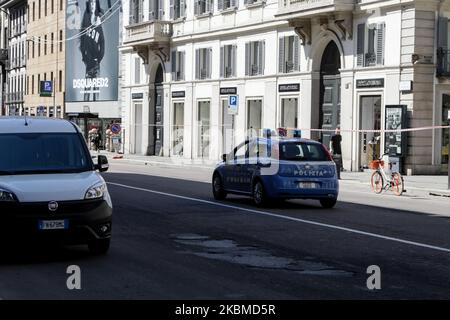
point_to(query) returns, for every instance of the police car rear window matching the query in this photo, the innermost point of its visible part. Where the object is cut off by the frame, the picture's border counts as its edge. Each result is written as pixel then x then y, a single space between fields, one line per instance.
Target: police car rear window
pixel 294 151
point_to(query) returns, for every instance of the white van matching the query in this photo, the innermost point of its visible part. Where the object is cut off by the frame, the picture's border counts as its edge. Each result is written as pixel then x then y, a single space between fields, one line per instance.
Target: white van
pixel 49 184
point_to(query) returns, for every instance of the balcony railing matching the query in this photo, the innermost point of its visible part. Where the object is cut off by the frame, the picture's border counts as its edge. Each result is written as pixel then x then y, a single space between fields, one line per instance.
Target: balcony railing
pixel 443 62
pixel 148 32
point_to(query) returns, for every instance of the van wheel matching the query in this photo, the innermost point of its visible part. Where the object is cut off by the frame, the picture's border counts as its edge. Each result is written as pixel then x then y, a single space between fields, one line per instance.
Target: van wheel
pixel 259 194
pixel 328 203
pixel 99 246
pixel 217 186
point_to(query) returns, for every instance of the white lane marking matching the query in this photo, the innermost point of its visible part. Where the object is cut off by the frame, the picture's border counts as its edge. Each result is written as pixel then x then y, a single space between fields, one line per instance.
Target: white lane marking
pixel 274 215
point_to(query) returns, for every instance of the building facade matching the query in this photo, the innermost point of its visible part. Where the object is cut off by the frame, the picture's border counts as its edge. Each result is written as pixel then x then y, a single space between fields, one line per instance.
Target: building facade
pixel 15 75
pixel 360 65
pixel 45 52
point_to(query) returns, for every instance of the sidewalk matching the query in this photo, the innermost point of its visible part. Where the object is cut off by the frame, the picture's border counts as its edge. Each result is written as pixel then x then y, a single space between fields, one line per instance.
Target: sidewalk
pixel 414 185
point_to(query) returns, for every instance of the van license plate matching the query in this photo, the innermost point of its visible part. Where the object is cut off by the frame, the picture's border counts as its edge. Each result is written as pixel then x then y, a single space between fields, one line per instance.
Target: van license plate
pixel 308 185
pixel 53 224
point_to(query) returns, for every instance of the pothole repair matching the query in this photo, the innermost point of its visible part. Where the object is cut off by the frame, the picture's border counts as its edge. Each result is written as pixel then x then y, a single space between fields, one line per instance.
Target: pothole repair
pixel 253 257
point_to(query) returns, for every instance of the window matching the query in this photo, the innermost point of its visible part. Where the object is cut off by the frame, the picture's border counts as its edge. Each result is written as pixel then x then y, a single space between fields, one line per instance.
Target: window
pixel 38 83
pixel 254 117
pixel 178 128
pixel 288 54
pixel 228 61
pixel 443 52
pixel 39 9
pixel 32 48
pixel 60 81
pixel 203 63
pixel 289 113
pixel 203 118
pixel 177 9
pixel 254 58
pixel 177 65
pixel 45 8
pixel 136 11
pixel 370 45
pixel 45 44
pixel 34 11
pixel 156 9
pixel 39 47
pixel 60 5
pixel 32 84
pixel 445 132
pixel 202 7
pixel 51 43
pixel 60 40
pixel 53 6
pixel 226 4
pixel 241 151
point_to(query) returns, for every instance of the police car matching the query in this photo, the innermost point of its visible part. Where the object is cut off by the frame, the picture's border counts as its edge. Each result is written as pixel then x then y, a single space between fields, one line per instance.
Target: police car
pixel 49 185
pixel 278 167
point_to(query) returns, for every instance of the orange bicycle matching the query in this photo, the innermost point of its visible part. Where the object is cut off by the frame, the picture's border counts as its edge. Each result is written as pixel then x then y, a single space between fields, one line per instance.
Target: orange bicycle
pixel 381 181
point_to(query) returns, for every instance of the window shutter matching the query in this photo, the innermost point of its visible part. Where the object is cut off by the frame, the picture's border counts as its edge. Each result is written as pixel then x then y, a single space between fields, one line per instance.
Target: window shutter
pixel 208 6
pixel 219 5
pixel 222 62
pixel 443 32
pixel 360 44
pixel 172 13
pixel 281 58
pixel 261 52
pixel 141 10
pixel 233 3
pixel 182 8
pixel 380 44
pixel 160 9
pixel 208 62
pixel 247 59
pixel 296 54
pixel 132 10
pixel 181 63
pixel 152 10
pixel 197 64
pixel 233 59
pixel 196 7
pixel 174 65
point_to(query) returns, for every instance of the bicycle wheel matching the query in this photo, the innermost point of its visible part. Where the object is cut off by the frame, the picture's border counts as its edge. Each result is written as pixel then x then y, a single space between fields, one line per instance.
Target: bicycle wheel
pixel 397 183
pixel 377 182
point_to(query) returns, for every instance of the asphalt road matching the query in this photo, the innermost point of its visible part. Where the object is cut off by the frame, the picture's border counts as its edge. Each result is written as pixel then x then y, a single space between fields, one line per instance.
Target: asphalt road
pixel 171 240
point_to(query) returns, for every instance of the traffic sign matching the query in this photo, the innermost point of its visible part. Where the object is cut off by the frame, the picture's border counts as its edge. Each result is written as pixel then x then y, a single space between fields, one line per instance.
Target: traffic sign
pixel 232 104
pixel 116 128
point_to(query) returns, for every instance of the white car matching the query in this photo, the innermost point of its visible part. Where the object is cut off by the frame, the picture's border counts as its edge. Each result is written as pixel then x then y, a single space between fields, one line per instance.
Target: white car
pixel 49 184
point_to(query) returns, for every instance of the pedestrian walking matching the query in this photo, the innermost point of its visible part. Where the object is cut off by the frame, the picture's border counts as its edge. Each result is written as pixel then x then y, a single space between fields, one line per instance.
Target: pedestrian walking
pixel 336 140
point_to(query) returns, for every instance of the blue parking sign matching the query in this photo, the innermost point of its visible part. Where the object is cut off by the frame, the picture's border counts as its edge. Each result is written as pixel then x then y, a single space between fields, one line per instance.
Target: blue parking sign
pixel 232 104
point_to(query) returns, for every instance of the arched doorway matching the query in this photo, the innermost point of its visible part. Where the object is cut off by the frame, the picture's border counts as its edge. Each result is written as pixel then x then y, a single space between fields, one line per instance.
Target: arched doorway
pixel 330 91
pixel 156 115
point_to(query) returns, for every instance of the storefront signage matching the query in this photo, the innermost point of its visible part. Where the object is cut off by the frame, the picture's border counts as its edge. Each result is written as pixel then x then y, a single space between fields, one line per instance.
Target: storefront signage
pixel 178 94
pixel 135 96
pixel 396 120
pixel 289 87
pixel 370 83
pixel 231 90
pixel 405 86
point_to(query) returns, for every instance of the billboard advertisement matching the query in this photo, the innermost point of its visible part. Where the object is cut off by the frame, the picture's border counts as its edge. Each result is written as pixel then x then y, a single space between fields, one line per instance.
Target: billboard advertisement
pixel 92 39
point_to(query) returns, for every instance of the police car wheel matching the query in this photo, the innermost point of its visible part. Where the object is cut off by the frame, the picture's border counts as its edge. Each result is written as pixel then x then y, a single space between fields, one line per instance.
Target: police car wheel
pixel 99 246
pixel 259 195
pixel 217 186
pixel 328 203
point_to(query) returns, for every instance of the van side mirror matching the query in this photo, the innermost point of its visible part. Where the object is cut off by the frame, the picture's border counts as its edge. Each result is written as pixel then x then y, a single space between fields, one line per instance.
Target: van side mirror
pixel 102 164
